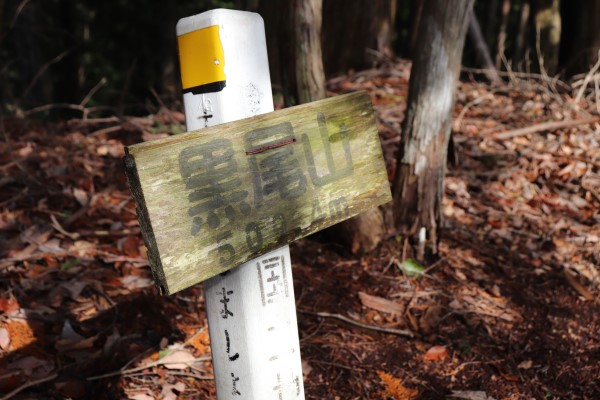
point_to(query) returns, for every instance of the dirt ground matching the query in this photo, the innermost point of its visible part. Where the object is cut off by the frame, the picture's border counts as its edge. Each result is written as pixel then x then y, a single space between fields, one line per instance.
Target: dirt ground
pixel 511 310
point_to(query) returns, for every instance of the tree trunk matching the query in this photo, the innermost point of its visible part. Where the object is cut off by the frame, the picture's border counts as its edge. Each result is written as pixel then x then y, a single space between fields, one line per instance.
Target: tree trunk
pixel 581 38
pixel 301 59
pixel 483 52
pixel 421 166
pixel 351 28
pixel 502 34
pixel 306 22
pixel 547 28
pixel 415 21
pixel 304 81
pixel 519 53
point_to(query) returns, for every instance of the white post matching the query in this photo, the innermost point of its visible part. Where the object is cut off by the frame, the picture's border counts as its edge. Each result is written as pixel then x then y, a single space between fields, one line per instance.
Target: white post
pixel 251 308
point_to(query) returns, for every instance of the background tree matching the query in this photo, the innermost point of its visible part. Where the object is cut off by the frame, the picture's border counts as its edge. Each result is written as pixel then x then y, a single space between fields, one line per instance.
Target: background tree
pixel 581 37
pixel 421 163
pixel 365 27
pixel 547 35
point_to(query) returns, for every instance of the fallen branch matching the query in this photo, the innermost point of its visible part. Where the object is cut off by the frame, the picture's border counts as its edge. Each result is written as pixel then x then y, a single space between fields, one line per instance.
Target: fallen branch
pixel 546 126
pixel 587 80
pixel 28 385
pixel 153 364
pixel 399 332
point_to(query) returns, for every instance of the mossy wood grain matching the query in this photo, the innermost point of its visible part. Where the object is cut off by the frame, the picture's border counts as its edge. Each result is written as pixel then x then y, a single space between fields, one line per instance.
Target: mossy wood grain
pixel 210 200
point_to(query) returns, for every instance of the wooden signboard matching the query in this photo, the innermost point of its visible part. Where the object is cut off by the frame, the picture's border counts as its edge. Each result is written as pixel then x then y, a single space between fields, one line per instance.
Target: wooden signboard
pixel 210 200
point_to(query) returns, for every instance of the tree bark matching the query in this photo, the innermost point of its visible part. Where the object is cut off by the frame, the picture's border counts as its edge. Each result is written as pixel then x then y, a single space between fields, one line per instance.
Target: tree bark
pixel 483 52
pixel 416 13
pixel 522 34
pixel 304 81
pixel 580 41
pixel 351 28
pixel 502 33
pixel 306 22
pixel 421 166
pixel 547 28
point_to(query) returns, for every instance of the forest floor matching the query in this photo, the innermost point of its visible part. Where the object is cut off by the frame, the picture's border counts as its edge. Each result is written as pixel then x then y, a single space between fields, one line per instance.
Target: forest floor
pixel 510 311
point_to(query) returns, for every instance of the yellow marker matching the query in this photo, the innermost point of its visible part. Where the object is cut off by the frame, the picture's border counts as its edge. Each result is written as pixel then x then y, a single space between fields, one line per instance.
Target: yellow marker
pixel 202 61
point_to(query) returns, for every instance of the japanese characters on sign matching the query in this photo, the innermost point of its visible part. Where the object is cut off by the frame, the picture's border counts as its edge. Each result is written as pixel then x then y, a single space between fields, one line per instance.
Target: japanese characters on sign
pixel 213 199
pixel 217 200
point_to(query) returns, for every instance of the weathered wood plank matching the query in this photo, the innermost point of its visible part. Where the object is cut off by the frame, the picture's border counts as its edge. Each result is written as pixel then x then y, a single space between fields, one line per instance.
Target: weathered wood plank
pixel 210 200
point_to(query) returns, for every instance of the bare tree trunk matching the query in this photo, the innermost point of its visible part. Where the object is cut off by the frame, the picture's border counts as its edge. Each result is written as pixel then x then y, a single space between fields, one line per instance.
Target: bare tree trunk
pixel 502 33
pixel 417 12
pixel 306 22
pixel 522 34
pixel 419 179
pixel 483 52
pixel 580 41
pixel 547 28
pixel 305 81
pixel 491 22
pixel 352 27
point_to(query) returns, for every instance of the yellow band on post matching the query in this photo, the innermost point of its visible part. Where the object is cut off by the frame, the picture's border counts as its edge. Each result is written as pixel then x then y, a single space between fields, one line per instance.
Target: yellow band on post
pixel 202 61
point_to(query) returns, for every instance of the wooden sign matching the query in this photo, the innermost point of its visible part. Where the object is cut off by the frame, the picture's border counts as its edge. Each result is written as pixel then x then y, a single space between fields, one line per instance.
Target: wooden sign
pixel 210 200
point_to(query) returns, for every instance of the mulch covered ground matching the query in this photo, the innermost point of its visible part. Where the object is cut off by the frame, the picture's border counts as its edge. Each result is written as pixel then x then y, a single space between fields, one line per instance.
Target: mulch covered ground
pixel 510 311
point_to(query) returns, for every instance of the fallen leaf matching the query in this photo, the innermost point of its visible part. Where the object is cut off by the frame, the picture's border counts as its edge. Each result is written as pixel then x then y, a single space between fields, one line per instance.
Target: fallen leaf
pixel 470 395
pixel 140 396
pixel 178 359
pixel 132 282
pixel 436 353
pixel 582 290
pixel 10 305
pixel 411 268
pixel 306 369
pixel 394 388
pixel 525 364
pixel 200 341
pixel 4 339
pixel 168 391
pixel 20 333
pixel 380 304
pixel 81 196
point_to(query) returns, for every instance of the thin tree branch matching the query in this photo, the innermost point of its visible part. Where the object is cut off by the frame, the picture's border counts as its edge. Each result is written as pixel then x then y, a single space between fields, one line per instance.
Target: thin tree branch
pixel 587 80
pixel 43 69
pixel 28 385
pixel 482 49
pixel 97 87
pixel 392 331
pixel 546 126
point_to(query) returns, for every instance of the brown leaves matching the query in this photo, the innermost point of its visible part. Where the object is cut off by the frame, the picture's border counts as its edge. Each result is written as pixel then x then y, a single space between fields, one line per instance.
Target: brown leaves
pixel 436 353
pixel 380 304
pixel 18 335
pixel 394 389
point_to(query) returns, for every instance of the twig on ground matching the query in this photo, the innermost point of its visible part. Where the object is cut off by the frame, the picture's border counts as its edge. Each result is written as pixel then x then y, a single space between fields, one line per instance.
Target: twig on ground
pixel 153 364
pixel 93 91
pixel 337 365
pixel 43 69
pixel 582 290
pixel 546 126
pixel 28 385
pixel 458 121
pixel 399 332
pixel 587 80
pixel 597 92
pixel 522 75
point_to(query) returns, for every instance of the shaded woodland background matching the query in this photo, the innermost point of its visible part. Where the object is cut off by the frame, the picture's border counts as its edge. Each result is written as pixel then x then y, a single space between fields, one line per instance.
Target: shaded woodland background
pixel 119 52
pixel 509 309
